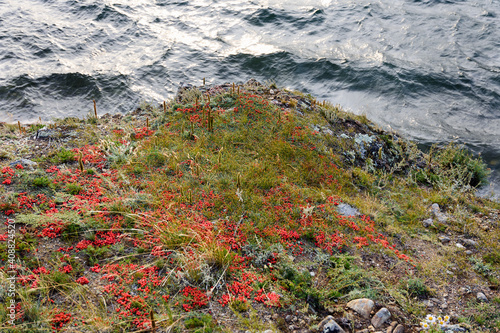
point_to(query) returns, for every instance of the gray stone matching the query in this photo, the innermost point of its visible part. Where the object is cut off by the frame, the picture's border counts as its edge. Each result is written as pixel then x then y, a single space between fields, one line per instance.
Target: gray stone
pixel 399 329
pixel 454 328
pixel 482 297
pixel 329 325
pixel 46 134
pixel 25 163
pixel 347 210
pixel 380 317
pixel 460 246
pixel 469 242
pixel 444 239
pixel 468 252
pixel 427 223
pixel 437 213
pixel 363 306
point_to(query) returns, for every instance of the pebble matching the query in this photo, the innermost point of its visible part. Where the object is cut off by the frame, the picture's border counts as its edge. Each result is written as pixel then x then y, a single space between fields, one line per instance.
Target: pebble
pixel 437 213
pixel 380 317
pixel 444 239
pixel 363 306
pixel 469 242
pixel 391 327
pixel 399 329
pixel 460 246
pixel 482 297
pixel 435 208
pixel 427 223
pixel 329 325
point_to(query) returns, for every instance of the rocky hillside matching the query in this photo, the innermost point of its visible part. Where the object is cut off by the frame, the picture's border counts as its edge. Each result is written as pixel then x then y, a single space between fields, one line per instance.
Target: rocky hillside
pixel 241 208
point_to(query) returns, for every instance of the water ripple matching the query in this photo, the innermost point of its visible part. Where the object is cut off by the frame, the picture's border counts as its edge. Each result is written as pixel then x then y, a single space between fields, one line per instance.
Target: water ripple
pixel 429 68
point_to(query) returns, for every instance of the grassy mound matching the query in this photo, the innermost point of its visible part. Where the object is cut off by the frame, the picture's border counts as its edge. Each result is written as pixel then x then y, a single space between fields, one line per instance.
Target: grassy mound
pixel 226 209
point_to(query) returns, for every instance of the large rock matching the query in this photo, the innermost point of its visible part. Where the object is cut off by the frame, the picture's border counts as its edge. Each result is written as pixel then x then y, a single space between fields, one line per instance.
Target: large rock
pixel 363 306
pixel 329 325
pixel 380 317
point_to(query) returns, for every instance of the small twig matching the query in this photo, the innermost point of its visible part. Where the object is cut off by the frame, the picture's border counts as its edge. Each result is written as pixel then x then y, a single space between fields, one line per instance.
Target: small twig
pixel 153 324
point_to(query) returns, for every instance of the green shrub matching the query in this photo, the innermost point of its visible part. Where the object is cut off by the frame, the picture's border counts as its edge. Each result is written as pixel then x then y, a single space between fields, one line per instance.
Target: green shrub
pixel 201 323
pixel 416 288
pixel 64 156
pixel 96 253
pixel 72 188
pixel 72 231
pixel 462 165
pixel 41 182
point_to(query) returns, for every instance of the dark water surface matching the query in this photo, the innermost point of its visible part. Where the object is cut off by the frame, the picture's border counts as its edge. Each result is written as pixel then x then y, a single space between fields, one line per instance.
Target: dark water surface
pixel 429 69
